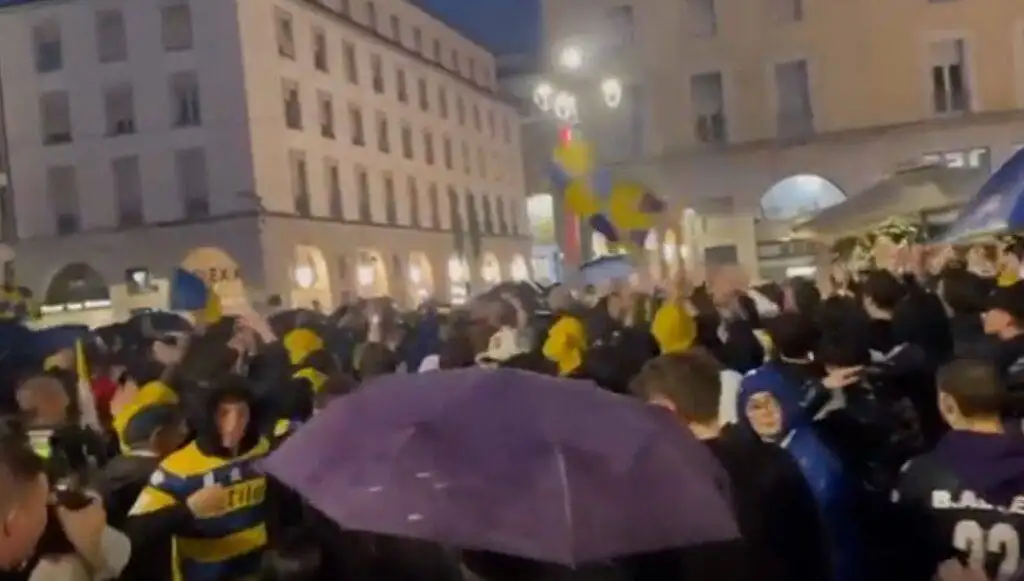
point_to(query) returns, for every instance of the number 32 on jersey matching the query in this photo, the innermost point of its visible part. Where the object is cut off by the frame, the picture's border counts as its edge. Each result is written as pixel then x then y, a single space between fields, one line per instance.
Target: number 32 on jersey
pixel 1000 543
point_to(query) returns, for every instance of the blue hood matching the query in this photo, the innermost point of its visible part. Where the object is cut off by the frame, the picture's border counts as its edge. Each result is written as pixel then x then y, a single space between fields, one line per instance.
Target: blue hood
pixel 991 465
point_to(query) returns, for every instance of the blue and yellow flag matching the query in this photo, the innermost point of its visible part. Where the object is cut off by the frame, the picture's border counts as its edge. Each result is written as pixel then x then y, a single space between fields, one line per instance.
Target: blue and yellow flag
pixel 188 292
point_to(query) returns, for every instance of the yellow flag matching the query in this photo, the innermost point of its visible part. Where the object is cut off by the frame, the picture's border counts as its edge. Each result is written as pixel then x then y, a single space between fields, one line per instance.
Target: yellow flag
pixel 81 365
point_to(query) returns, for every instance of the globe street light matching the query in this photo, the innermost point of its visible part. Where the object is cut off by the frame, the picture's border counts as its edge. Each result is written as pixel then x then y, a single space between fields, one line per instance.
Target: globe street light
pixel 611 90
pixel 571 58
pixel 542 96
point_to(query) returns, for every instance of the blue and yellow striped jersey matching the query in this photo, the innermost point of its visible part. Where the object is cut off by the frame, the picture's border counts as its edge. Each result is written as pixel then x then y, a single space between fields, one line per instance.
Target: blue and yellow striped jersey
pixel 227 544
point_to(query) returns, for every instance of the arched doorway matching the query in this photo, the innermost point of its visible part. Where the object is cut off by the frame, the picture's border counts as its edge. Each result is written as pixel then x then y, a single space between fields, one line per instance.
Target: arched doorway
pixel 490 269
pixel 518 269
pixel 420 277
pixel 219 271
pixel 799 195
pixel 311 281
pixel 458 280
pixel 76 294
pixel 371 275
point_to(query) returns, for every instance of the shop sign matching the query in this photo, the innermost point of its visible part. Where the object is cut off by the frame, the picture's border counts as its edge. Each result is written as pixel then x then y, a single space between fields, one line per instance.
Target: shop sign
pixel 972 158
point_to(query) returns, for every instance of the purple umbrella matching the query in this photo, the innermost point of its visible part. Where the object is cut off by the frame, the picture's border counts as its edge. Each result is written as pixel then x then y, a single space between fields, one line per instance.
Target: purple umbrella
pixel 550 469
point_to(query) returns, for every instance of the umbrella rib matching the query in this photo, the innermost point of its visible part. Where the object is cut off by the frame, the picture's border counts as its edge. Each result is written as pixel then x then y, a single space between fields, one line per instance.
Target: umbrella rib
pixel 563 476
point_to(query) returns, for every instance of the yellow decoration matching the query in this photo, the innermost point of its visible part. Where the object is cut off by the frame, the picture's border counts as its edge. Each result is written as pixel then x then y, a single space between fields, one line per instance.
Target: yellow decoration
pixel 575 158
pixel 624 207
pixel 580 200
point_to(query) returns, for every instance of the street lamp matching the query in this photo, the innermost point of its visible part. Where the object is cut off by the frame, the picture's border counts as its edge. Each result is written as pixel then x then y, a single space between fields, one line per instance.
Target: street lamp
pixel 571 58
pixel 611 90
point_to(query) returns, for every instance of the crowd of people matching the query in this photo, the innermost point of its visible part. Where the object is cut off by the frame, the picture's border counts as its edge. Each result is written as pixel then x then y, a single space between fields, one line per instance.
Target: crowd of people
pixel 867 424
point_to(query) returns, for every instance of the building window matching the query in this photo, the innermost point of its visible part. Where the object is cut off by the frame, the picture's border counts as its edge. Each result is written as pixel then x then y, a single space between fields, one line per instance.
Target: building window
pixel 477 121
pixel 363 191
pixel 620 25
pixel 788 11
pixel 434 201
pixel 371 16
pixel 383 139
pixel 111 38
pixel 471 66
pixel 502 219
pixel 390 203
pixel 424 97
pixel 506 129
pixel 455 60
pixel 355 123
pixel 348 55
pixel 396 29
pixel 442 102
pixel 186 110
pixel 285 35
pixel 49 49
pixel 345 8
pixel 334 196
pixel 428 147
pixel 300 182
pixel 467 162
pixel 795 114
pixel 414 201
pixel 119 101
pixel 55 115
pixel 400 86
pixel 193 181
pixel 128 190
pixel 481 162
pixel 320 50
pixel 62 191
pixel 417 39
pixel 708 108
pixel 437 51
pixel 176 27
pixel 460 110
pixel 377 70
pixel 485 209
pixel 702 18
pixel 950 94
pixel 292 105
pixel 492 129
pixel 449 162
pixel 407 149
pixel 326 115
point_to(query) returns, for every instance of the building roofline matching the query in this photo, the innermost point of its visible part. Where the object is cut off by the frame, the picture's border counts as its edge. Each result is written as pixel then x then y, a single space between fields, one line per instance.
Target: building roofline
pixel 370 33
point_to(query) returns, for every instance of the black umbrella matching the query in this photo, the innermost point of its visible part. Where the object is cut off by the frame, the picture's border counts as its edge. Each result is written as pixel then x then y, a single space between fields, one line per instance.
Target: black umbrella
pixel 286 321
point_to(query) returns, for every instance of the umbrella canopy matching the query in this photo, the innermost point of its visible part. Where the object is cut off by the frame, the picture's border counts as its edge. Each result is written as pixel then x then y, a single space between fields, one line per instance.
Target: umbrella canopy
pixel 998 206
pixel 606 268
pixel 157 323
pixel 518 463
pixel 908 192
pixel 283 322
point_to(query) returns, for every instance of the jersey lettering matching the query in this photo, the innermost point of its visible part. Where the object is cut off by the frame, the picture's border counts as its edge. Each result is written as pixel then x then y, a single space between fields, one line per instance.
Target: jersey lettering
pixel 1000 542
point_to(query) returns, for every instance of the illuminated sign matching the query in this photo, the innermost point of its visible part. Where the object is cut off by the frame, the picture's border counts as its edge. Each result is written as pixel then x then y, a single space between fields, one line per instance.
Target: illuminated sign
pixel 973 158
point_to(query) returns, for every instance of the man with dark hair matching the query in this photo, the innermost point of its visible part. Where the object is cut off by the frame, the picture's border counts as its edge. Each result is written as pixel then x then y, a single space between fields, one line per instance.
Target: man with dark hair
pixel 965 498
pixel 882 293
pixel 24 489
pixel 774 505
pixel 43 542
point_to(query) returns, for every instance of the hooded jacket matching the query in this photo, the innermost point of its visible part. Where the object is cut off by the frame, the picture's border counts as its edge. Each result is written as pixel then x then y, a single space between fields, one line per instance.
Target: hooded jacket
pixel 207 548
pixel 964 498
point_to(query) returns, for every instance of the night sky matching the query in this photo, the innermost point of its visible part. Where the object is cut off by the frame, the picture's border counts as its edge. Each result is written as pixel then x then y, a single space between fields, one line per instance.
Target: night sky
pixel 503 26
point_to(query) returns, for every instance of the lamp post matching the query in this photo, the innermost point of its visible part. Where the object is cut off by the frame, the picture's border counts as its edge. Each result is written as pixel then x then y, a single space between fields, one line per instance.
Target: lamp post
pixel 560 99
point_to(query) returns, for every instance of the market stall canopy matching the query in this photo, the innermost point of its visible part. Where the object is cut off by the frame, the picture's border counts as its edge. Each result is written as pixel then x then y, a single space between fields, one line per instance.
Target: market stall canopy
pixel 997 208
pixel 908 192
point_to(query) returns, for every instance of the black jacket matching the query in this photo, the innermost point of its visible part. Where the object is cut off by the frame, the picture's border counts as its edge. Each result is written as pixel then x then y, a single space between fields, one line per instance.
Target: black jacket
pixel 776 510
